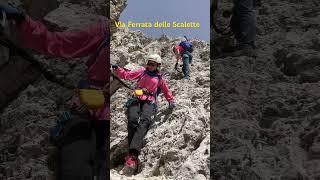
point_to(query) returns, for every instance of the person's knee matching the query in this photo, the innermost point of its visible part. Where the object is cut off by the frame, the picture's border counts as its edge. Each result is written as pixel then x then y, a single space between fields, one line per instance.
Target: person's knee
pixel 145 123
pixel 185 60
pixel 133 121
pixel 146 116
pixel 145 119
pixel 133 114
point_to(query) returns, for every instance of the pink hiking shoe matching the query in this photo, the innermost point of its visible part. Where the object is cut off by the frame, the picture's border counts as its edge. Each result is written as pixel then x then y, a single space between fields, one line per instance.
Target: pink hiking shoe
pixel 130 166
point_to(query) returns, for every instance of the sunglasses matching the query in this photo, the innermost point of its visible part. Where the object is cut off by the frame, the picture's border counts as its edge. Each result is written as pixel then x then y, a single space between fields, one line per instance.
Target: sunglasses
pixel 152 64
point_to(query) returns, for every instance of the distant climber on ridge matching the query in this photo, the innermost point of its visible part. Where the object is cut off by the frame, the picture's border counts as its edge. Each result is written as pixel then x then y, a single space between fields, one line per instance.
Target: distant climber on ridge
pixel 183 51
pixel 142 105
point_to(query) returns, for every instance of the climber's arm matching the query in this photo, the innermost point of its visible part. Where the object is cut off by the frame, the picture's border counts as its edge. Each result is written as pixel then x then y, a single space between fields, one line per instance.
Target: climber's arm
pixel 35 35
pixel 128 75
pixel 166 91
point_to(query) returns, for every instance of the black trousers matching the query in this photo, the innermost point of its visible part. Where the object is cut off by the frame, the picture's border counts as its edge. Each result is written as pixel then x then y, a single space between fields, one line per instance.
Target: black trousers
pixel 85 152
pixel 139 120
pixel 243 22
pixel 102 131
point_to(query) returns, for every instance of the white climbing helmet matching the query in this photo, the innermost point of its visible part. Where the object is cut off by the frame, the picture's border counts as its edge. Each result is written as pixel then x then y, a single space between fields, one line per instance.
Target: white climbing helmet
pixel 155 58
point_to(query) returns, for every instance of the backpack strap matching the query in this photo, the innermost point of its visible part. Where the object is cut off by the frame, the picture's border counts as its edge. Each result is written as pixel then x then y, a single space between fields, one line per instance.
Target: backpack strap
pixel 141 76
pixel 155 94
pixel 159 76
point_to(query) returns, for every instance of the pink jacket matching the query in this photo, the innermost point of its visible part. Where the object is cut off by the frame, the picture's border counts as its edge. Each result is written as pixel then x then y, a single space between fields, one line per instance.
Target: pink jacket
pixel 35 35
pixel 146 81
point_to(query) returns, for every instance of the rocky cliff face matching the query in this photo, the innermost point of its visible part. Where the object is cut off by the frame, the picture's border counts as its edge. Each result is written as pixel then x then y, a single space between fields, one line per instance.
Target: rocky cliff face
pixel 177 145
pixel 265 111
pixel 25 151
pixel 116 8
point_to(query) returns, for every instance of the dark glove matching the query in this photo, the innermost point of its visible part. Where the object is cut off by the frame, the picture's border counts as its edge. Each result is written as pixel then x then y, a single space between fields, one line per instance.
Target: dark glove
pixel 172 105
pixel 12 13
pixel 114 66
pixel 176 66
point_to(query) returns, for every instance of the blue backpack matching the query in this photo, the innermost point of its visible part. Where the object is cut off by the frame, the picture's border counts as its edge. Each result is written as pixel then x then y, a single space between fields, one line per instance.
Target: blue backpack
pixel 187 46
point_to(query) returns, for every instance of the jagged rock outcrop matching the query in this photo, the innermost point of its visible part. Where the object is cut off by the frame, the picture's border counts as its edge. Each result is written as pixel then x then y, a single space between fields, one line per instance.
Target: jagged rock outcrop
pixel 116 8
pixel 265 111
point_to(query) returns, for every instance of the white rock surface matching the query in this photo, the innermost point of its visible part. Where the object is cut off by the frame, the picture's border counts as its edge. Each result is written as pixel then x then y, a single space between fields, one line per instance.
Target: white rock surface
pixel 177 145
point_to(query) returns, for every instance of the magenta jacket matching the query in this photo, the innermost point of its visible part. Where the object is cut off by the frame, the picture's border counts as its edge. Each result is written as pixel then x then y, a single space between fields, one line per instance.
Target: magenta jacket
pixel 146 81
pixel 78 44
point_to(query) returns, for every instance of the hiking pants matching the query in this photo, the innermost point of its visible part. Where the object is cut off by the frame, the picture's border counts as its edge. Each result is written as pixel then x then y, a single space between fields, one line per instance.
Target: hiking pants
pixel 190 56
pixel 243 22
pixel 102 131
pixel 186 62
pixel 139 121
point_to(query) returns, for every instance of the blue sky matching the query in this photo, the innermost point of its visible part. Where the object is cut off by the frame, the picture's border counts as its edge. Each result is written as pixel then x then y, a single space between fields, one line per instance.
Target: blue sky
pixel 170 10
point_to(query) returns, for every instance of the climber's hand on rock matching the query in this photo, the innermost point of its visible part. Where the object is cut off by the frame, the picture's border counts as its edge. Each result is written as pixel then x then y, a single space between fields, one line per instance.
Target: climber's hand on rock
pixel 12 13
pixel 172 105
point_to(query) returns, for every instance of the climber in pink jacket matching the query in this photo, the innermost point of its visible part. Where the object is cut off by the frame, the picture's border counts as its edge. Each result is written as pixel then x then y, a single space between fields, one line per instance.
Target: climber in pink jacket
pixel 91 42
pixel 149 83
pixel 35 35
pixel 141 106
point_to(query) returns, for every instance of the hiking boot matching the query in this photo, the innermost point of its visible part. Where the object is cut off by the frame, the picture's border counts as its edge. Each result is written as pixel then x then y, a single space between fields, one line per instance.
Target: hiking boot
pixel 248 51
pixel 130 166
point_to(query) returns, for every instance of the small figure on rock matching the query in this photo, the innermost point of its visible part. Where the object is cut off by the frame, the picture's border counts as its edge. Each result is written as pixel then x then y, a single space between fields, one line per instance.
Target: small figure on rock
pixel 142 105
pixel 183 51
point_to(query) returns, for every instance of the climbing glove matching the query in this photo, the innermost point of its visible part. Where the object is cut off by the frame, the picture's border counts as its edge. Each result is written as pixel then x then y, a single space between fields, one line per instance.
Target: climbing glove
pixel 114 66
pixel 12 13
pixel 172 105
